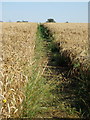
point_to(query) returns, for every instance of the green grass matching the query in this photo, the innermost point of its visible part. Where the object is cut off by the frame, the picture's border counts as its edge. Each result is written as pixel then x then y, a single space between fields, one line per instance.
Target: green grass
pixel 81 78
pixel 56 59
pixel 37 90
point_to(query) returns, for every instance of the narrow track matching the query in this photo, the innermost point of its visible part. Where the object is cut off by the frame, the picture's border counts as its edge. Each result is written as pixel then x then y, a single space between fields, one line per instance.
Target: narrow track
pixel 68 83
pixel 56 74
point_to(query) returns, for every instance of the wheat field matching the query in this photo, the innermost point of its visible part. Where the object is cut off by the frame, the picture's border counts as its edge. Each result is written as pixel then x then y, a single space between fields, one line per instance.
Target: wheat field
pixel 73 38
pixel 18 43
pixel 17 52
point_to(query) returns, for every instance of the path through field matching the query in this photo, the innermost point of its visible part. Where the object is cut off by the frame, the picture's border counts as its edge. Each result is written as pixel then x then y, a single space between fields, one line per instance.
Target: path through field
pixel 68 69
pixel 39 79
pixel 56 70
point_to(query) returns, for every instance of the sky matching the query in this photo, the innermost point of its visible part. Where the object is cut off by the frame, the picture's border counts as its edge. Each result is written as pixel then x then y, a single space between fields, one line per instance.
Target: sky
pixel 74 12
pixel 45 0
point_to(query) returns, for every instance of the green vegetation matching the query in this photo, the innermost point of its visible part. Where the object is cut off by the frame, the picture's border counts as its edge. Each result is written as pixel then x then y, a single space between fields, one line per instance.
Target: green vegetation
pixel 50 20
pixel 81 81
pixel 55 60
pixel 37 90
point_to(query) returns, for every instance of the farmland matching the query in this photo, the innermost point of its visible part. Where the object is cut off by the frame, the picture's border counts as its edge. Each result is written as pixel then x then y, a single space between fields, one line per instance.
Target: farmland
pixel 18 42
pixel 43 70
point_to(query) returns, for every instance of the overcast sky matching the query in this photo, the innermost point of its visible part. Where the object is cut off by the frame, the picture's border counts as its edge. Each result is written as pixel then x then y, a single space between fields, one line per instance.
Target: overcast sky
pixel 75 12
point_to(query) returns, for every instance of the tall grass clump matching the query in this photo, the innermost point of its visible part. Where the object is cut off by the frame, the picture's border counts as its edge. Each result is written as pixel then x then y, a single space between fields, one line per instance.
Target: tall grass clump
pixel 81 79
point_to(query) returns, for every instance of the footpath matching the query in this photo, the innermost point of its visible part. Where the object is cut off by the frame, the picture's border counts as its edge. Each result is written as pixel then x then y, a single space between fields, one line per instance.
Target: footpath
pixel 56 74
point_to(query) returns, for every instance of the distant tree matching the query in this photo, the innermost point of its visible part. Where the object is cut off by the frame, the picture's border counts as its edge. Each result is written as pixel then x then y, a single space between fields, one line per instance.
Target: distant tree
pixel 18 21
pixel 67 22
pixel 50 20
pixel 24 21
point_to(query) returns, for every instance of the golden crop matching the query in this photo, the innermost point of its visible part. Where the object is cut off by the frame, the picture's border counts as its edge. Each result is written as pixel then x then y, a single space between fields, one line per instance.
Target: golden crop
pixel 18 42
pixel 17 52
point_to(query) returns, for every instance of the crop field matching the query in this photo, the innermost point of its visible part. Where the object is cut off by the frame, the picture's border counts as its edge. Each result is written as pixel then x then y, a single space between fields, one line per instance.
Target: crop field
pixel 44 70
pixel 18 42
pixel 71 50
pixel 73 38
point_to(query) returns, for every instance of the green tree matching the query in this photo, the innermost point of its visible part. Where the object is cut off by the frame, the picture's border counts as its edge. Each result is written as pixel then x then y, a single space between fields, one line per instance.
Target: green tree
pixel 50 20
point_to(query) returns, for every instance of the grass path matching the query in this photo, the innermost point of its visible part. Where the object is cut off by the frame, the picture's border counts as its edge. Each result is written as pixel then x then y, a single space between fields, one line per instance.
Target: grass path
pixel 55 74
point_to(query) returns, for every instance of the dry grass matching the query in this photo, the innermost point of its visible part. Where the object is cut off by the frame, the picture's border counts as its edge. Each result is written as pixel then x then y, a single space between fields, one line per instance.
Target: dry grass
pixel 18 42
pixel 73 38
